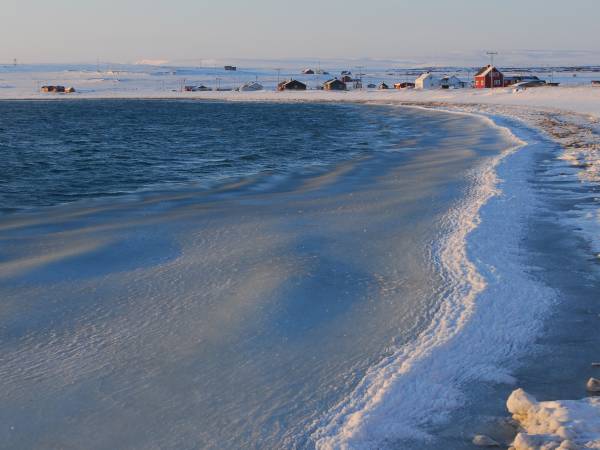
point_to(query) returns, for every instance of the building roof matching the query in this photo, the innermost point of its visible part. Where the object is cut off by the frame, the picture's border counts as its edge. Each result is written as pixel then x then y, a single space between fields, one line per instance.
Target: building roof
pixel 289 83
pixel 484 71
pixel 425 75
pixel 292 81
pixel 451 79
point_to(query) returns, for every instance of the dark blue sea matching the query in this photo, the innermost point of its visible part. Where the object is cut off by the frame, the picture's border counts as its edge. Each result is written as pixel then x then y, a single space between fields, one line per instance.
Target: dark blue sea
pixel 59 152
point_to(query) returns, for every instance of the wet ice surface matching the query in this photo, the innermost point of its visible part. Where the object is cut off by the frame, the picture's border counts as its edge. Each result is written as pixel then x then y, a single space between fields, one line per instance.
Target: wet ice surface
pixel 231 318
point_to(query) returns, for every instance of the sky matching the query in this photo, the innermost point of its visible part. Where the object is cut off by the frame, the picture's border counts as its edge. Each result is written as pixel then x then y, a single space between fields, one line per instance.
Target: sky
pixel 204 30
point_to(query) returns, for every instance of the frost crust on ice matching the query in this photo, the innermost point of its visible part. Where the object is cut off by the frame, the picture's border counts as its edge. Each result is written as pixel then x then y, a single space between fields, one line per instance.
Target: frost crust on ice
pixel 554 425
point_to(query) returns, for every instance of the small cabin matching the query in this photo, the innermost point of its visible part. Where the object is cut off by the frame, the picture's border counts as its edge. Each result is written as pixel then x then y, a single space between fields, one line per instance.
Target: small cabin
pixel 251 86
pixel 347 79
pixel 404 85
pixel 230 68
pixel 334 85
pixel 291 85
pixel 196 88
pixel 596 83
pixel 489 77
pixel 70 90
pixel 428 81
pixel 452 82
pixel 308 72
pixel 382 86
pixel 55 89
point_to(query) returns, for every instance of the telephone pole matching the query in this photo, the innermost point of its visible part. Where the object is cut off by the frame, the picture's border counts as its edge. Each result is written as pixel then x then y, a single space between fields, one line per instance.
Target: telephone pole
pixel 491 55
pixel 360 74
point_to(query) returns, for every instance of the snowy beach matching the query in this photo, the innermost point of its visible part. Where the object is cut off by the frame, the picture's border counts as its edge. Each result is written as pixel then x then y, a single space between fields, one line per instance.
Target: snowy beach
pixel 523 205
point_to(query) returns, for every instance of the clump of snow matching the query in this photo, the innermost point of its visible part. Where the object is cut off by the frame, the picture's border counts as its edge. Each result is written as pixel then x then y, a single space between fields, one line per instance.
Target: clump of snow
pixel 570 424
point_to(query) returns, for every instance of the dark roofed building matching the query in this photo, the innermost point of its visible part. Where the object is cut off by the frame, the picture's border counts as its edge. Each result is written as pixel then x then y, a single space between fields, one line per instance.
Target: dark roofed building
pixel 382 85
pixel 291 85
pixel 334 85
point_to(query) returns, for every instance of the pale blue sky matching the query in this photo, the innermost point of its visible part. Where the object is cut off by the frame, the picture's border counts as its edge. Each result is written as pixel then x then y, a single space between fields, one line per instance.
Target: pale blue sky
pixel 130 30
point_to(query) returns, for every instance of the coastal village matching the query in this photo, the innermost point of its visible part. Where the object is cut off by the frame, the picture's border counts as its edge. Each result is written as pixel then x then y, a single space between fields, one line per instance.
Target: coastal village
pixel 486 77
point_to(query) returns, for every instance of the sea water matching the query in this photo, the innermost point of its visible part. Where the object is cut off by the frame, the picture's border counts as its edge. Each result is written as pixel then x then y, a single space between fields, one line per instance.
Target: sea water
pixel 180 274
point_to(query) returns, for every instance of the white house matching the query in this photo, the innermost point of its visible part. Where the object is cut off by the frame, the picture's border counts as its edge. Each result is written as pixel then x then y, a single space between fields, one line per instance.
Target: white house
pixel 251 86
pixel 452 82
pixel 428 81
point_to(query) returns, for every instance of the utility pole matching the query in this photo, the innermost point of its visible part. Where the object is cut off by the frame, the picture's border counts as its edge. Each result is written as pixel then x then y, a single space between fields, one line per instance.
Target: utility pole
pixel 15 62
pixel 278 74
pixel 360 75
pixel 491 55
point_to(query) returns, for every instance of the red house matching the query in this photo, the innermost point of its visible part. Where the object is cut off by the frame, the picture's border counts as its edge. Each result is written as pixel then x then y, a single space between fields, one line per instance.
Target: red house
pixel 489 77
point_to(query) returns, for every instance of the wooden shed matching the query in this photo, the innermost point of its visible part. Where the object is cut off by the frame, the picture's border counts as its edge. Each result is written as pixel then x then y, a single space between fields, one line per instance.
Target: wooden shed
pixel 291 85
pixel 334 85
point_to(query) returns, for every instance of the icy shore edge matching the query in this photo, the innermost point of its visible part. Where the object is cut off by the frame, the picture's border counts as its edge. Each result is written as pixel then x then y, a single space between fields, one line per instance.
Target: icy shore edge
pixel 560 425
